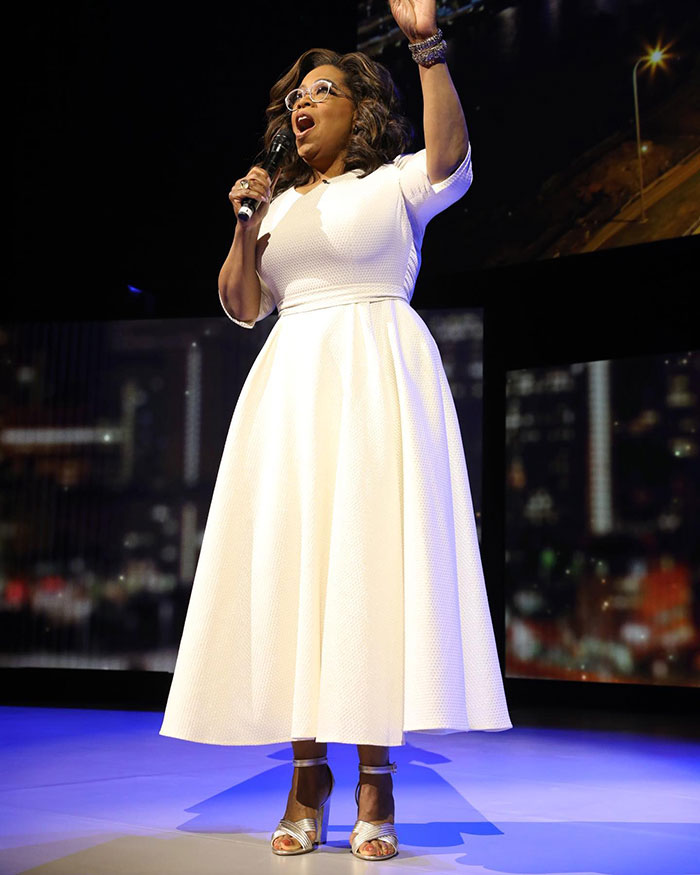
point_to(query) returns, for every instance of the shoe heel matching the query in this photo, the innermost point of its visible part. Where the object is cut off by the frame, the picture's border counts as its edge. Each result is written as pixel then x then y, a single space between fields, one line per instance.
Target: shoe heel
pixel 323 818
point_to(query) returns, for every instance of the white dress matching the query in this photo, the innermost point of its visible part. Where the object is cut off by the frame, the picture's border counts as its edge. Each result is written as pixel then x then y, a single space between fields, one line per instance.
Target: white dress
pixel 339 592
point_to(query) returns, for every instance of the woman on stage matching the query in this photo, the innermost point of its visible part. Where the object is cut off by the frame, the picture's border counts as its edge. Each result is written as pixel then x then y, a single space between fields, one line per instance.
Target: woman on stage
pixel 339 593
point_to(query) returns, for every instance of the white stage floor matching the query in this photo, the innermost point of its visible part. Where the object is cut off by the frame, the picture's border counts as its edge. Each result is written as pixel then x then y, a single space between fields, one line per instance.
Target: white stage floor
pixel 93 792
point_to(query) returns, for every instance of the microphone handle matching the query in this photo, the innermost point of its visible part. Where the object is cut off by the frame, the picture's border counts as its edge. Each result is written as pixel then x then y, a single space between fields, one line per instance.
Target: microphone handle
pixel 248 207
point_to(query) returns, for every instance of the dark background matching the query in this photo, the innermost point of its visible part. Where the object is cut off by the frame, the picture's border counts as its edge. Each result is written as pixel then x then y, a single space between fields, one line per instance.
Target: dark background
pixel 131 122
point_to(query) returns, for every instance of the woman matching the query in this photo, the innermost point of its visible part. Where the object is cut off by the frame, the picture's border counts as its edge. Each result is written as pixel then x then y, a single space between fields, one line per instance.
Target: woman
pixel 339 594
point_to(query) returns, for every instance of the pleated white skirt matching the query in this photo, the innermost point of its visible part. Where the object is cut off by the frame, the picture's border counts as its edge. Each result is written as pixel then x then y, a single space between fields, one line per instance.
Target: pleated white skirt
pixel 339 592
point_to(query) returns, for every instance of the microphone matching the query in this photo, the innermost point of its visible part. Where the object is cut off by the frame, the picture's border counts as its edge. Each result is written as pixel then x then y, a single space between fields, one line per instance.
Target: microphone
pixel 281 143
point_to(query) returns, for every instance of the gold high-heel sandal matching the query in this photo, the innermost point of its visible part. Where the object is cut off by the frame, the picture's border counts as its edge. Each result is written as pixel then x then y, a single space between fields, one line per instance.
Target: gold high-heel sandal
pixel 299 829
pixel 368 832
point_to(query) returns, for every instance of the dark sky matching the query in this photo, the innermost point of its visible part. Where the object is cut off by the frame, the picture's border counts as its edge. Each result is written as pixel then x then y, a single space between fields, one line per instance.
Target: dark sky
pixel 133 121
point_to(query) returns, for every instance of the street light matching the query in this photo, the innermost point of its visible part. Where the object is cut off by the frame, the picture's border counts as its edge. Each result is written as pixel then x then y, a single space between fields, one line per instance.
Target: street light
pixel 653 58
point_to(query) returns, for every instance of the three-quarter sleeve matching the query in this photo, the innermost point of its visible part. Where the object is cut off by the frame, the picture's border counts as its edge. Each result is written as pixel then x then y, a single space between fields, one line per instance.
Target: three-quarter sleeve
pixel 424 199
pixel 267 305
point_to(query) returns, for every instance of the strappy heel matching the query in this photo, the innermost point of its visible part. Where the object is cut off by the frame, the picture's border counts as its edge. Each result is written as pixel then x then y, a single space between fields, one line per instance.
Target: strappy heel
pixel 368 832
pixel 299 829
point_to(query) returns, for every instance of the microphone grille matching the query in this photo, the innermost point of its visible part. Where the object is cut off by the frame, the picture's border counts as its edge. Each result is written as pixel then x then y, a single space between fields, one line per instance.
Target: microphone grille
pixel 282 140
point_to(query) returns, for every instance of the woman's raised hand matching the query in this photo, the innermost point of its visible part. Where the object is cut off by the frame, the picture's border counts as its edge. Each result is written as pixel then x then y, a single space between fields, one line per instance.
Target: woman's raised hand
pixel 259 188
pixel 416 18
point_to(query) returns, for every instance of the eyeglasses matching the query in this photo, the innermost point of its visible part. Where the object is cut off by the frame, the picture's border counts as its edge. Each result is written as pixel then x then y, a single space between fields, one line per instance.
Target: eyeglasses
pixel 318 92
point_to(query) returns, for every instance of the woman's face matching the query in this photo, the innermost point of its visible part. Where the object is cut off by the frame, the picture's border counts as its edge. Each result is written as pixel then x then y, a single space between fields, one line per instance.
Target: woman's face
pixel 322 129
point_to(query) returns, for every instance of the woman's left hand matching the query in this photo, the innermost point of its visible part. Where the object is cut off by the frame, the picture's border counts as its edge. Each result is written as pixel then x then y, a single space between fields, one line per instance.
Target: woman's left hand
pixel 416 18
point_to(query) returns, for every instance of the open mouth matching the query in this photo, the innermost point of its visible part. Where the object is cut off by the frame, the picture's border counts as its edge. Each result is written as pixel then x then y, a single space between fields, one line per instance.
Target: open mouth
pixel 304 122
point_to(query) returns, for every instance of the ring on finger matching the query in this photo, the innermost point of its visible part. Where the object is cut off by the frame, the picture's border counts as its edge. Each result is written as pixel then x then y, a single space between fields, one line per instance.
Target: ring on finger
pixel 244 183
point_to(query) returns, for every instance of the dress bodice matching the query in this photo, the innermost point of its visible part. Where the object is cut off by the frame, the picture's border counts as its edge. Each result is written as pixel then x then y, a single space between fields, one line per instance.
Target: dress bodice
pixel 355 238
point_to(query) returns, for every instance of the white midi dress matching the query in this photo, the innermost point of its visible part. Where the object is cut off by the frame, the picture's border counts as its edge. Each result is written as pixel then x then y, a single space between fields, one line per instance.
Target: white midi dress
pixel 339 592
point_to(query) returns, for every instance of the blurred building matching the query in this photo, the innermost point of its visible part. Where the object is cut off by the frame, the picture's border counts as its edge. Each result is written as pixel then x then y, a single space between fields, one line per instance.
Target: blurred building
pixel 602 515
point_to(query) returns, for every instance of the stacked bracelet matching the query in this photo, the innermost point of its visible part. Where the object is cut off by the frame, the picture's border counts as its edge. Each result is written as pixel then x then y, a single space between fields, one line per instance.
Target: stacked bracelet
pixel 429 51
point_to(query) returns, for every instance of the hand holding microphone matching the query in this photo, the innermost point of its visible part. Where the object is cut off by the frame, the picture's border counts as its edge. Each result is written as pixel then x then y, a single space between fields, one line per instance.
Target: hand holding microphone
pixel 251 195
pixel 256 187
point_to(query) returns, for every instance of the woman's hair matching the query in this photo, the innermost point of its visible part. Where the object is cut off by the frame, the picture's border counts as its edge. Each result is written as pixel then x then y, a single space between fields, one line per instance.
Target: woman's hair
pixel 380 131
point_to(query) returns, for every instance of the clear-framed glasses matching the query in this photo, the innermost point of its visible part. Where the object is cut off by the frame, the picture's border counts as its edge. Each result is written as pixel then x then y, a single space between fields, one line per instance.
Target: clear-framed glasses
pixel 318 92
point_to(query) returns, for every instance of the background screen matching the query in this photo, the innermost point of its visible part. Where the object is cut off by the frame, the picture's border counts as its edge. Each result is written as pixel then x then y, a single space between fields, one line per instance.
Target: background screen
pixel 547 90
pixel 111 436
pixel 602 520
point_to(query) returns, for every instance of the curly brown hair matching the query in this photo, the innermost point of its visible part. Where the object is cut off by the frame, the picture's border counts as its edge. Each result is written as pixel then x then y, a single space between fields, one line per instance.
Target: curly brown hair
pixel 380 132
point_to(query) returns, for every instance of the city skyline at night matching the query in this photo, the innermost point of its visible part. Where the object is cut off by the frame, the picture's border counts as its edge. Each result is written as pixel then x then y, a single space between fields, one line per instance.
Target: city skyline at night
pixel 603 509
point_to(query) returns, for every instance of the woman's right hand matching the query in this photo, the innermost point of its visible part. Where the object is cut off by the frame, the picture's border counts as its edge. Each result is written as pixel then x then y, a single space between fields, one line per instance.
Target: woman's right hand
pixel 260 188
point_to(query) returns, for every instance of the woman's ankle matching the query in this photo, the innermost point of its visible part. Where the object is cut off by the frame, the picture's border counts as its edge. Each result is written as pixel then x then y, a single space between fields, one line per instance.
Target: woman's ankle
pixel 376 798
pixel 309 750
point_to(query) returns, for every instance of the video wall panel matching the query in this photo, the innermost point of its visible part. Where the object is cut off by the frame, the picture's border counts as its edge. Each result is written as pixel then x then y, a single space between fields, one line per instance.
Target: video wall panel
pixel 603 520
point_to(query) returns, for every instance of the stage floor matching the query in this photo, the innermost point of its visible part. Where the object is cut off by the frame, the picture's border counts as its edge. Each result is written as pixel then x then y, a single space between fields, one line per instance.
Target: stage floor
pixel 96 792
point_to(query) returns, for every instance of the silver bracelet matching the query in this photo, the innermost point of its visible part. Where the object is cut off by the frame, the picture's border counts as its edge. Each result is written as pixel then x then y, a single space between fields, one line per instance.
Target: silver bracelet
pixel 429 51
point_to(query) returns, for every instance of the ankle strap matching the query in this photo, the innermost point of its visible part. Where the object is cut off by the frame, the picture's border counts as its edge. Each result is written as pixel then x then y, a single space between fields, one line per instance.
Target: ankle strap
pixel 314 761
pixel 377 770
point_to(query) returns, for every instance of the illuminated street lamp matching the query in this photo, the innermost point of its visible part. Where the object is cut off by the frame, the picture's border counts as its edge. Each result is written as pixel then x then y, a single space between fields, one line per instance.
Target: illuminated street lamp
pixel 653 58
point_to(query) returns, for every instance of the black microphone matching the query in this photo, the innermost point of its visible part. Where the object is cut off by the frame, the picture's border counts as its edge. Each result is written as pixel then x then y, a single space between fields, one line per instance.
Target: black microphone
pixel 281 143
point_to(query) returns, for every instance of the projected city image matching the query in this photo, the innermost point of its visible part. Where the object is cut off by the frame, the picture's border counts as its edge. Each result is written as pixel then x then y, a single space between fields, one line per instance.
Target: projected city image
pixel 583 117
pixel 602 521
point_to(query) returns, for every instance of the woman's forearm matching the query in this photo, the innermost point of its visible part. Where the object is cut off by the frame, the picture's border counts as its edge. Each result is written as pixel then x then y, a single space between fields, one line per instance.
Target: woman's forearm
pixel 444 125
pixel 239 283
pixel 446 137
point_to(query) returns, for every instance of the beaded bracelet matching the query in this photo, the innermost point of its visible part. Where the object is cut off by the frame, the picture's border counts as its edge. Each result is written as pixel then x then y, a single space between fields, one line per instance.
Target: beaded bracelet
pixel 429 51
